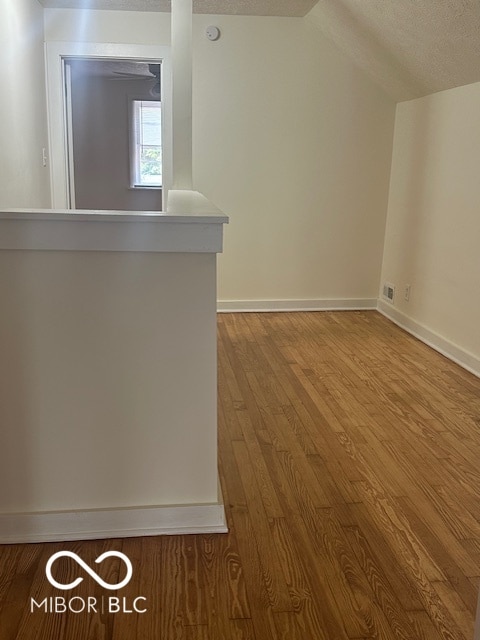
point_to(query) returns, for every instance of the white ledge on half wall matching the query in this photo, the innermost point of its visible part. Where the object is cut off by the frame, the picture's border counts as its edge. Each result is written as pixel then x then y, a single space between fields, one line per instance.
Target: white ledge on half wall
pixel 191 224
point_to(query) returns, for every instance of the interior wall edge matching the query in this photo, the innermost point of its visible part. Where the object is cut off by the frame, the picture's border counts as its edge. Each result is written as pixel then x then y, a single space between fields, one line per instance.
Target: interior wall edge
pixel 450 350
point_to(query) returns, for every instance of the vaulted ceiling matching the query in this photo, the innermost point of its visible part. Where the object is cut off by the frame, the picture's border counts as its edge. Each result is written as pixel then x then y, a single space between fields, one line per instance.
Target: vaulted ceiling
pixel 410 47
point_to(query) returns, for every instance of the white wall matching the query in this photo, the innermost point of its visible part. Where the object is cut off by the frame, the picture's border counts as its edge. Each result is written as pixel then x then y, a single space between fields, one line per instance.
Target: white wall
pixel 101 130
pixel 23 131
pixel 107 380
pixel 433 227
pixel 290 140
pixel 72 25
pixel 295 144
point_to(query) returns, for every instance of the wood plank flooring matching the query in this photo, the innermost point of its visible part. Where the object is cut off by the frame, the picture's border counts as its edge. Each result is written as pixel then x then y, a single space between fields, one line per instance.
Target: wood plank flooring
pixel 348 456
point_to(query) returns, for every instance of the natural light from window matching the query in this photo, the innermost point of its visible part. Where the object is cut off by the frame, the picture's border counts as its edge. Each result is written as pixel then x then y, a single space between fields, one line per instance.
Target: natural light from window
pixel 147 143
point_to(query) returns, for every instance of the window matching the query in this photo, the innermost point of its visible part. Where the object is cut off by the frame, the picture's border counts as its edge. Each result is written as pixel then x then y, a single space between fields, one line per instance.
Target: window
pixel 146 143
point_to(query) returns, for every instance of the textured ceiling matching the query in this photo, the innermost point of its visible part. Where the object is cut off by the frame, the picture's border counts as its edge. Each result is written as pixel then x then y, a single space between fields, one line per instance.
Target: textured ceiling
pixel 411 47
pixel 287 8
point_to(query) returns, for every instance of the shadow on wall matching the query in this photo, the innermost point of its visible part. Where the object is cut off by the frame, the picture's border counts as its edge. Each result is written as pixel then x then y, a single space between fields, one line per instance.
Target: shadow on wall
pixel 409 233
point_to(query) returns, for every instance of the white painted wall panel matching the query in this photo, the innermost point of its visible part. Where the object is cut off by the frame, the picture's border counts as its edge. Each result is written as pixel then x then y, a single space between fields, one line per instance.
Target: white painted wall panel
pixel 433 225
pixel 107 380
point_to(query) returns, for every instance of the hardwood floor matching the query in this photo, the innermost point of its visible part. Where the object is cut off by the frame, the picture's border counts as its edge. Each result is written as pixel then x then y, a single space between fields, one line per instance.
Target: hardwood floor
pixel 349 465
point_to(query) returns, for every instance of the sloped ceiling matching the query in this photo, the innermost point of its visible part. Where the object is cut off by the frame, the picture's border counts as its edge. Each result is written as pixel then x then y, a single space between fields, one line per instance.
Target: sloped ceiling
pixel 410 47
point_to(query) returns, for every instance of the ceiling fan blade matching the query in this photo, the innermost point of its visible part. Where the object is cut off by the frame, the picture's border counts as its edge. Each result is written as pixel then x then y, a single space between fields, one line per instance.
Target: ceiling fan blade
pixel 135 76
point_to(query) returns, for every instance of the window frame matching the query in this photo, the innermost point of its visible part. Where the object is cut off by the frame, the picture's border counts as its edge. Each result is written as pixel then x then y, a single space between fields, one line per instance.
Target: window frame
pixel 133 146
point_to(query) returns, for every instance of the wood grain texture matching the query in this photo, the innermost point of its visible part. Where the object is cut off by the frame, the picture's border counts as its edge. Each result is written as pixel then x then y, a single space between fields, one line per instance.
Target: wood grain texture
pixel 348 458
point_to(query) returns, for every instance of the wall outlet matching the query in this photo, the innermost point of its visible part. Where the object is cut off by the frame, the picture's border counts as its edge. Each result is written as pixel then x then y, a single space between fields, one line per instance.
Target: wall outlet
pixel 389 292
pixel 407 292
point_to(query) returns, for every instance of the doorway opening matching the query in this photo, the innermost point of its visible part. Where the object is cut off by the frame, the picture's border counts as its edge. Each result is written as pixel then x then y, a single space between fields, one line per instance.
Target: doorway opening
pixel 114 123
pixel 59 124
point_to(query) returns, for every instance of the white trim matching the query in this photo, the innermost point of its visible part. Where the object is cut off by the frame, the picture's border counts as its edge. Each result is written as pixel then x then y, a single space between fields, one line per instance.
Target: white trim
pixel 141 235
pixel 55 52
pixel 335 304
pixel 453 352
pixel 18 528
pixel 191 224
pixel 69 136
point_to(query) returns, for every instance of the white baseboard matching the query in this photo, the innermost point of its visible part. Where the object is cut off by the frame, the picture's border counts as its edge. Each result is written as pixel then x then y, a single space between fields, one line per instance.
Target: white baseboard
pixel 335 304
pixel 16 528
pixel 465 359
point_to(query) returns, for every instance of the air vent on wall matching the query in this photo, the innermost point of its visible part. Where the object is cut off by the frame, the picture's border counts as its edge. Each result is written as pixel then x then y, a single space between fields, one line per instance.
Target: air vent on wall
pixel 389 292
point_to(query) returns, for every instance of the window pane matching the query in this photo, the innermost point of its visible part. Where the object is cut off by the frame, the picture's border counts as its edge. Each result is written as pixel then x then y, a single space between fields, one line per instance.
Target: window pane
pixel 151 123
pixel 151 166
pixel 148 143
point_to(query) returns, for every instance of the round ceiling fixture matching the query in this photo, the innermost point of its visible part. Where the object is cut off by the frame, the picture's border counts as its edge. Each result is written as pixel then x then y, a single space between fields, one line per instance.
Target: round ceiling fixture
pixel 213 33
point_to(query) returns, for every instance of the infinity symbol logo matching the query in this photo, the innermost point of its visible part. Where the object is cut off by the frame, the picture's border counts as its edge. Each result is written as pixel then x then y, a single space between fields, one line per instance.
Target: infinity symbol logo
pixel 95 576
